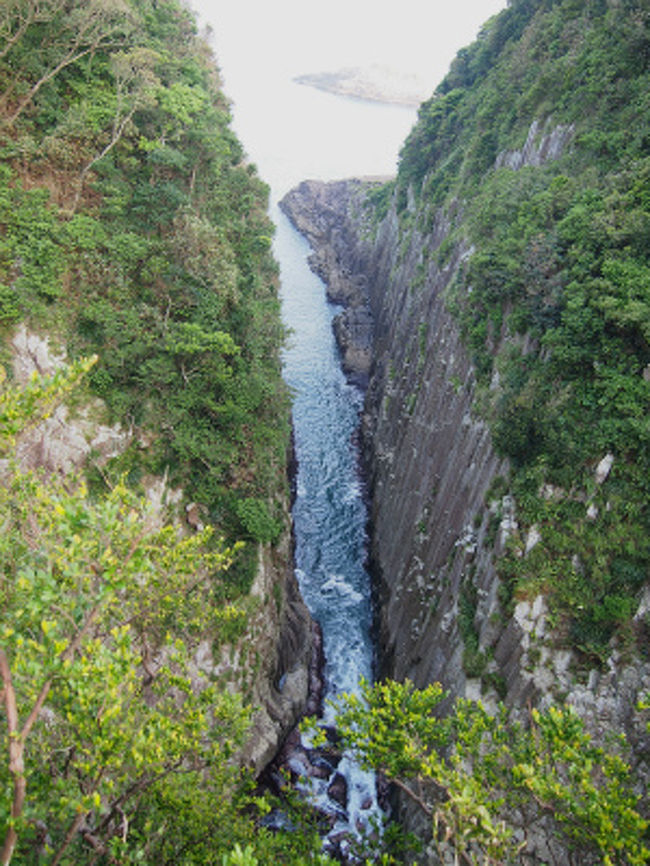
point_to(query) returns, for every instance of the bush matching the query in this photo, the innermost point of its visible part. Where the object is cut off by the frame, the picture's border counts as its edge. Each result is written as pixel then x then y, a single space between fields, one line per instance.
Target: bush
pixel 257 522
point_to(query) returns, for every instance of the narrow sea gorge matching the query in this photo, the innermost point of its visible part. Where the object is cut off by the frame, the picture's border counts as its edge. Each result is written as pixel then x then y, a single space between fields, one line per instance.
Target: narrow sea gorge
pixel 324 433
pixel 329 512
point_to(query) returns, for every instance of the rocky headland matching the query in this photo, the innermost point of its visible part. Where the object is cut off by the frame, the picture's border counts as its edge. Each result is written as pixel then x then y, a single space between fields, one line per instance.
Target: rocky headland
pixel 375 83
pixel 325 215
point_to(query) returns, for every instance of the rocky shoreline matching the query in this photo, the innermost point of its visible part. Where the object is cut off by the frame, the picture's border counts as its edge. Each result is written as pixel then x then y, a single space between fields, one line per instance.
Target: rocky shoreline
pixel 321 213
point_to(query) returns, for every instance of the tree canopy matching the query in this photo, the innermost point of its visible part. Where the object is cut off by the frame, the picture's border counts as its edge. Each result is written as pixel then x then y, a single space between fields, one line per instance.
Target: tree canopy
pixel 132 228
pixel 117 738
pixel 554 302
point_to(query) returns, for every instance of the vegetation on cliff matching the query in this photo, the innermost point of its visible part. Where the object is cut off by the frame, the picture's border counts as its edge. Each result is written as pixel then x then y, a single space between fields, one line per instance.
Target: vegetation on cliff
pixel 117 745
pixel 132 229
pixel 554 302
pixel 487 785
pixel 531 159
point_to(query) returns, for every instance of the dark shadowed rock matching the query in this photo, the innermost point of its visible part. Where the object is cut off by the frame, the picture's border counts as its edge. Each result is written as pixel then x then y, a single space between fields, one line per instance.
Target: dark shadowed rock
pixel 321 212
pixel 338 790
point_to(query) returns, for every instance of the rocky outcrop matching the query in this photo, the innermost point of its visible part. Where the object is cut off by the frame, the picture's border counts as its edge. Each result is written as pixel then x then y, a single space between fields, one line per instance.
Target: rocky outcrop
pixel 271 663
pixel 64 441
pixel 542 144
pixel 331 217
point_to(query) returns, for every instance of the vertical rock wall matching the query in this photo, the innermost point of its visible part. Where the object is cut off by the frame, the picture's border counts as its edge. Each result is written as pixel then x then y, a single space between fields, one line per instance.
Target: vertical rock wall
pixel 439 516
pixel 429 460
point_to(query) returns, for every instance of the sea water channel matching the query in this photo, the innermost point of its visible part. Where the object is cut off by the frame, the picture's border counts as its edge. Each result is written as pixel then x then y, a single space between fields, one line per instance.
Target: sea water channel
pixel 329 512
pixel 293 132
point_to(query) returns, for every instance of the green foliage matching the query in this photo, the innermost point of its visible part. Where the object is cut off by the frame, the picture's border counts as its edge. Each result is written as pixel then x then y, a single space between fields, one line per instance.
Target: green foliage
pixel 483 780
pixel 590 567
pixel 9 305
pixel 555 299
pixel 100 612
pixel 128 222
pixel 257 521
pixel 31 253
pixel 379 198
pixel 115 741
pixel 21 408
pixel 473 657
pixel 240 858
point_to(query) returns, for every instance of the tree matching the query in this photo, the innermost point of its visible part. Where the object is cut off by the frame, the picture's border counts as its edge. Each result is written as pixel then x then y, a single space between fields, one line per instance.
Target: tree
pixel 19 15
pixel 485 781
pixel 101 614
pixel 135 89
pixel 61 34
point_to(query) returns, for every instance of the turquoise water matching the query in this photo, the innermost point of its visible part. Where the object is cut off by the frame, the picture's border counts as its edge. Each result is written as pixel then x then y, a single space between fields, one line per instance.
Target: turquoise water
pixel 329 513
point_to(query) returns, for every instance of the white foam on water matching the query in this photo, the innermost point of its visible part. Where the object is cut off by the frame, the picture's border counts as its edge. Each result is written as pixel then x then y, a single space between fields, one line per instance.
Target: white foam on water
pixel 337 585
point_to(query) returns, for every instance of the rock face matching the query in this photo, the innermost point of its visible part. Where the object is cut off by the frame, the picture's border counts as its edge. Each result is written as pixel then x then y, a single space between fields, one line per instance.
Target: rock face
pixel 439 519
pixel 542 144
pixel 271 663
pixel 273 657
pixel 429 461
pixel 331 217
pixel 62 442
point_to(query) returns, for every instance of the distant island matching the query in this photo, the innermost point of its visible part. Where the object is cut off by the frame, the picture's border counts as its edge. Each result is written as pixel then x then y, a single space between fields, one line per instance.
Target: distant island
pixel 374 83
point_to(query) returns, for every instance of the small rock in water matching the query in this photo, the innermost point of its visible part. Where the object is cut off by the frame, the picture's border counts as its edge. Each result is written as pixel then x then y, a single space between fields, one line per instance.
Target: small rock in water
pixel 336 842
pixel 383 793
pixel 366 804
pixel 327 820
pixel 331 756
pixel 332 734
pixel 338 790
pixel 321 767
pixel 299 764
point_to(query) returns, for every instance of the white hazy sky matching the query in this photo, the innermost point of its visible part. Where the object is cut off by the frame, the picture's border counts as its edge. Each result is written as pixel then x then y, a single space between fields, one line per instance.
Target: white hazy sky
pixel 296 36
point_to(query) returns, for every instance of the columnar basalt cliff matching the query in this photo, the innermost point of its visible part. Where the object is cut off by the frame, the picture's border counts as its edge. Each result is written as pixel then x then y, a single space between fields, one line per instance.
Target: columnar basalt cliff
pixel 441 517
pixel 429 461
